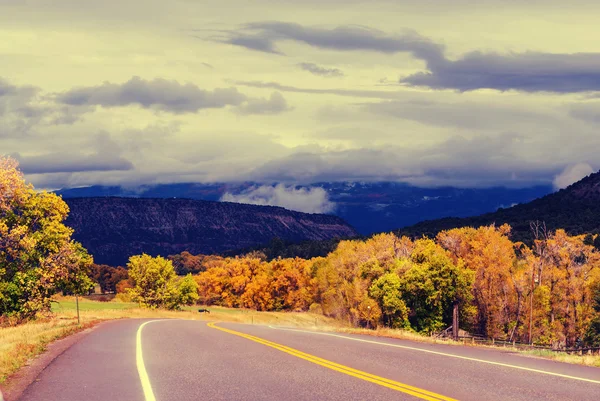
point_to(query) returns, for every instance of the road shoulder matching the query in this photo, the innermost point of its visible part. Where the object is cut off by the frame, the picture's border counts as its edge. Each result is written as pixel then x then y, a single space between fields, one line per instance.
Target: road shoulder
pixel 16 384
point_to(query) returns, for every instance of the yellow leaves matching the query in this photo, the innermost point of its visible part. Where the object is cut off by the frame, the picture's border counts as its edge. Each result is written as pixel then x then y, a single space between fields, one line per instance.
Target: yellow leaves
pixel 36 251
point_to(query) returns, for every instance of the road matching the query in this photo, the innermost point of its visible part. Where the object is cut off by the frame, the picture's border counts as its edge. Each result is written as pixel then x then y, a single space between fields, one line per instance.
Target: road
pixel 141 360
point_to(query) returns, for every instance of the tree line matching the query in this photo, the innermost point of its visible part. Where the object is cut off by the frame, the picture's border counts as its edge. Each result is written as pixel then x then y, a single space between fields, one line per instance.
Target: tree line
pixel 548 293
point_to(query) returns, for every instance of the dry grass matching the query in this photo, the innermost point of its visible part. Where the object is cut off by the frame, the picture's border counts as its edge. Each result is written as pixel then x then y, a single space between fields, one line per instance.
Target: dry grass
pixel 588 360
pixel 21 343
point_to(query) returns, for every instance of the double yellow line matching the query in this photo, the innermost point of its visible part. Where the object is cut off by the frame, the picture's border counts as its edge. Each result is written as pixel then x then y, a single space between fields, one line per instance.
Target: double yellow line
pixel 391 384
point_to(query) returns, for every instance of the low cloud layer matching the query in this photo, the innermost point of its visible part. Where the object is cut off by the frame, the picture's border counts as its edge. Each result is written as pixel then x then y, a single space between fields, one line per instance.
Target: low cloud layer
pixel 572 174
pixel 307 200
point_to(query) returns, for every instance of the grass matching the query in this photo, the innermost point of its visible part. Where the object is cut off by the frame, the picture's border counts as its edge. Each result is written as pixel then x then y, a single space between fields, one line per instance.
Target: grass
pixel 588 360
pixel 20 343
pixel 87 305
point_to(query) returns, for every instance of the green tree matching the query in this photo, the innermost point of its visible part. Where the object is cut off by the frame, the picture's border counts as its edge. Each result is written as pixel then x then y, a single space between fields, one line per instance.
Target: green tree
pixel 188 290
pixel 37 256
pixel 386 291
pixel 432 285
pixel 154 282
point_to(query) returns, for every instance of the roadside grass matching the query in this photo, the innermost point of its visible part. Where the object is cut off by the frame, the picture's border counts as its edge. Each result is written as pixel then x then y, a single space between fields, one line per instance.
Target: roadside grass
pixel 19 344
pixel 588 360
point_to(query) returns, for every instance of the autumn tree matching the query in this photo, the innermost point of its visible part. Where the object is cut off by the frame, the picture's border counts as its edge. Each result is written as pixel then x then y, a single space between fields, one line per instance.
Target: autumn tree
pixel 108 277
pixel 37 255
pixel 490 255
pixel 188 290
pixel 154 282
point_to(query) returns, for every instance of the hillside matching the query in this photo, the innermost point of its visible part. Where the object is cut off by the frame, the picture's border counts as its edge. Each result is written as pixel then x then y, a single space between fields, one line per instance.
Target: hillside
pixel 113 229
pixel 576 209
pixel 370 207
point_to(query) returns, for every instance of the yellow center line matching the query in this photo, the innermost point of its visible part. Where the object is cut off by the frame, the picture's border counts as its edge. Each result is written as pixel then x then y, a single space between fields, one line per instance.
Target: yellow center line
pixel 139 357
pixel 506 365
pixel 391 384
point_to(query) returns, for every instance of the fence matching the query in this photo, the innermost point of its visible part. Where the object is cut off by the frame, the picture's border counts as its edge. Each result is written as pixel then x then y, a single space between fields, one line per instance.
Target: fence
pixel 518 345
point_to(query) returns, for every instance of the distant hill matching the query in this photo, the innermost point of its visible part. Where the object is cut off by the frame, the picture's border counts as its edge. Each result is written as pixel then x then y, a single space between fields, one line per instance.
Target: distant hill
pixel 370 207
pixel 113 229
pixel 576 209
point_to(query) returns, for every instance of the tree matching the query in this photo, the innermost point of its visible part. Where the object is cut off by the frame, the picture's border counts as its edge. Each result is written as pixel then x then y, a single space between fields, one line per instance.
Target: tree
pixel 108 277
pixel 154 282
pixel 432 286
pixel 37 255
pixel 188 290
pixel 386 291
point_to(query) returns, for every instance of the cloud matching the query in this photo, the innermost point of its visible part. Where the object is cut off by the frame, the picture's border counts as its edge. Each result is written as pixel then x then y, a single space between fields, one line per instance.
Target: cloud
pixel 106 156
pixel 572 174
pixel 321 71
pixel 263 36
pixel 480 161
pixel 160 94
pixel 307 200
pixel 527 72
pixel 588 111
pixel 462 114
pixel 23 109
pixel 275 104
pixel 339 92
pixel 62 162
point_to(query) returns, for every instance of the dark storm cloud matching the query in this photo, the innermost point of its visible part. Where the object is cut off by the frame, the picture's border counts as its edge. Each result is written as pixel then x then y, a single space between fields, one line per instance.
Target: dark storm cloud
pixel 321 71
pixel 159 94
pixel 263 36
pixel 529 71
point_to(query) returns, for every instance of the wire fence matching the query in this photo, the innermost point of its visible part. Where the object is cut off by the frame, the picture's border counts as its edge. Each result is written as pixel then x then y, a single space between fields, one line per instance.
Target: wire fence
pixel 519 345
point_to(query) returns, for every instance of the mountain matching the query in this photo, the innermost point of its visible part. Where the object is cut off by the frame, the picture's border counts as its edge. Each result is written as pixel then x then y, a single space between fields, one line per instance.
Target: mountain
pixel 368 206
pixel 575 209
pixel 113 229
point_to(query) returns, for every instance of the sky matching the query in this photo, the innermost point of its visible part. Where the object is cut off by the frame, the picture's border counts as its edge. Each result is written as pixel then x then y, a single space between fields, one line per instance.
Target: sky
pixel 432 92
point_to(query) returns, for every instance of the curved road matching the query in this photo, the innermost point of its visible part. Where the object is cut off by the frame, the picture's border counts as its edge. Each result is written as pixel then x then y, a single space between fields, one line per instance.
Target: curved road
pixel 141 360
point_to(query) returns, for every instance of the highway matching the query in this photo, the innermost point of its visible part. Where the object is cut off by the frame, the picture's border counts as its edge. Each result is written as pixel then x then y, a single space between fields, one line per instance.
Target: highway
pixel 160 360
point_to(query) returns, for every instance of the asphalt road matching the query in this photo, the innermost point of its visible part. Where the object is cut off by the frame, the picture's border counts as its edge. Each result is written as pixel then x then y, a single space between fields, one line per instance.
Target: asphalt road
pixel 189 360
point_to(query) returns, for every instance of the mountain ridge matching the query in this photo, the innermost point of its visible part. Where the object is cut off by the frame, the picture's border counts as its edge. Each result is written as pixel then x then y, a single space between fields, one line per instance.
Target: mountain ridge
pixel 114 228
pixel 370 207
pixel 575 208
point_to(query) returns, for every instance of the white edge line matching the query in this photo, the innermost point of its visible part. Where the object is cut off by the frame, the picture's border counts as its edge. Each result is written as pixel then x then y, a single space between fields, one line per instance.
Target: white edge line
pixel 506 365
pixel 139 358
